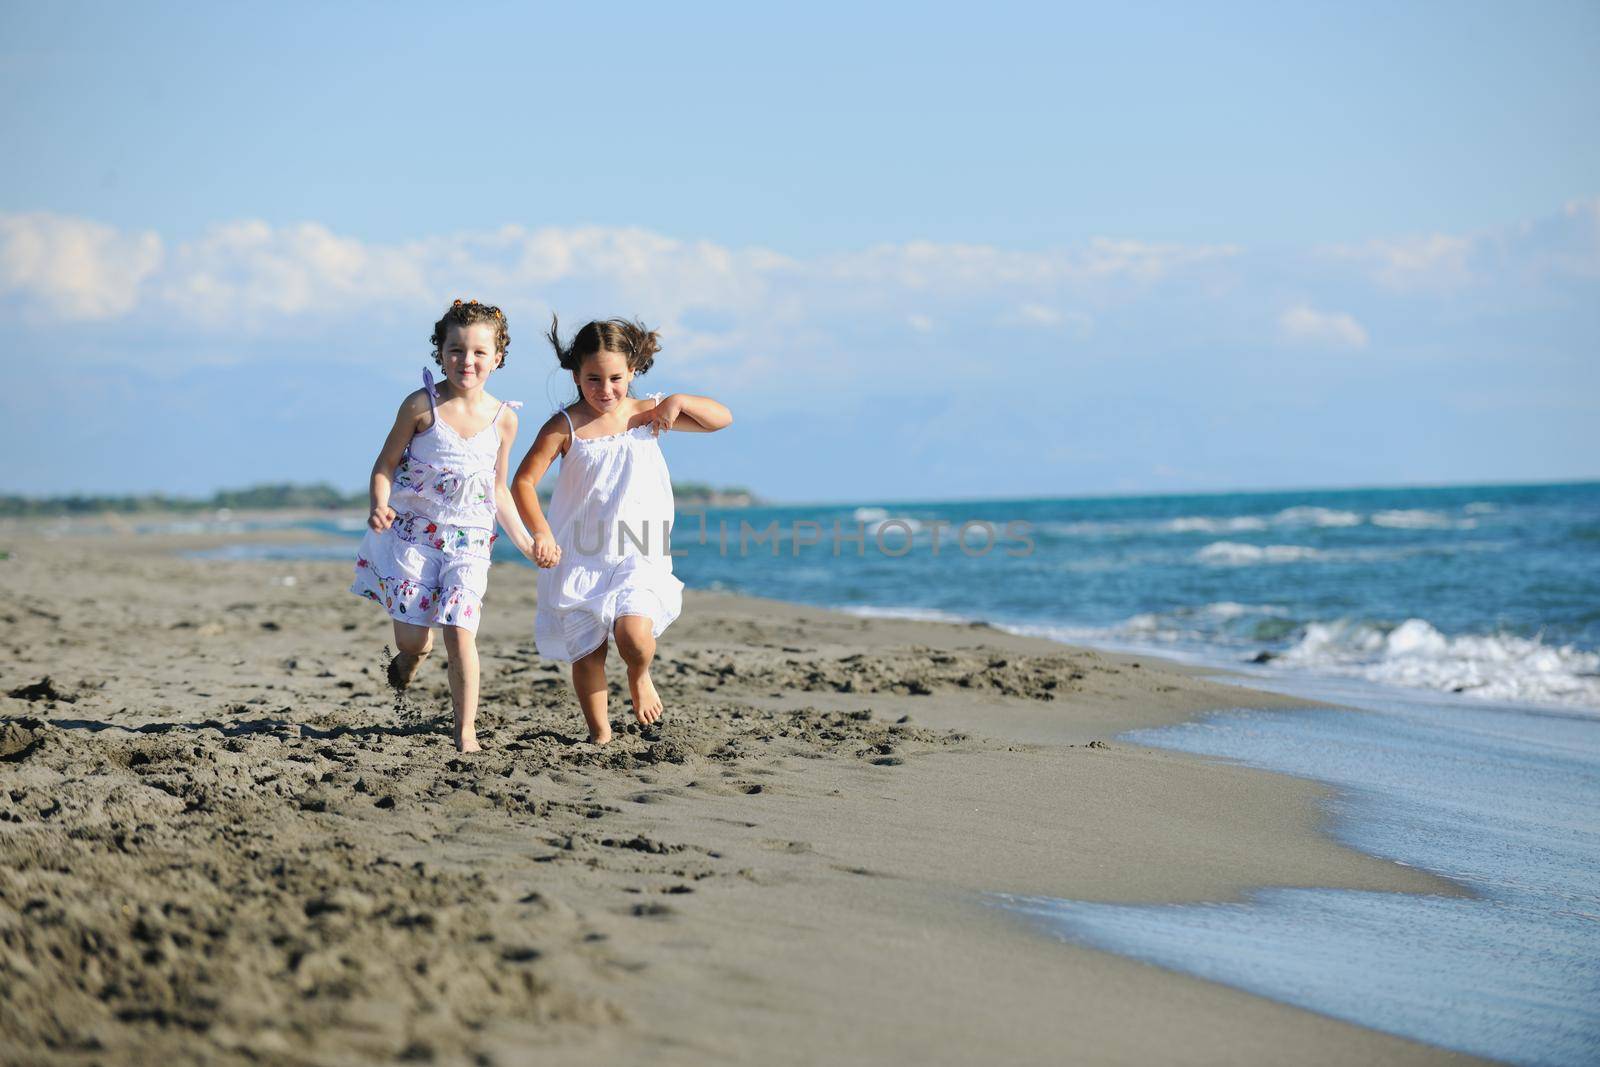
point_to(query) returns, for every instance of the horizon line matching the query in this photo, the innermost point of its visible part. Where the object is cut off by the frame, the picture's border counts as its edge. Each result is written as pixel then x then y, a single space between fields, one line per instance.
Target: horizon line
pixel 1143 494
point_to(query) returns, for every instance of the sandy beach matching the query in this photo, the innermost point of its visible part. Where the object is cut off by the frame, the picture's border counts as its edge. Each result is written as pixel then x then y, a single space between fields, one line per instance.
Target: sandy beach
pixel 220 841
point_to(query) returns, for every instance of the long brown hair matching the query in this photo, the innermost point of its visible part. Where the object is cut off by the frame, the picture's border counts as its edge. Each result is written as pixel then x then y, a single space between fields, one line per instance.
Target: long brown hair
pixel 631 340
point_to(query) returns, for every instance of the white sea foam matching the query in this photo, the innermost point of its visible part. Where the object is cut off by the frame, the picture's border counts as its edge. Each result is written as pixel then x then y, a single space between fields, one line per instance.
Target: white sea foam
pixel 876 519
pixel 1237 554
pixel 1306 515
pixel 1300 516
pixel 1228 609
pixel 1087 528
pixel 1184 632
pixel 1420 519
pixel 1185 623
pixel 1213 524
pixel 914 614
pixel 1416 654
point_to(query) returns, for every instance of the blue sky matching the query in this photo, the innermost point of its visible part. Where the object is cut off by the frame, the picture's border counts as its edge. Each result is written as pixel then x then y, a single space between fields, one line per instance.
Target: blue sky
pixel 921 251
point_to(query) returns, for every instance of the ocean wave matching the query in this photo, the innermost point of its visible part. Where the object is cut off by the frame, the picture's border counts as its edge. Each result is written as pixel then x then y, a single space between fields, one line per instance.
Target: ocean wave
pixel 876 519
pixel 1413 655
pixel 913 614
pixel 1086 528
pixel 1223 620
pixel 1185 620
pixel 1217 631
pixel 1237 554
pixel 1300 516
pixel 1416 654
pixel 1307 515
pixel 1240 554
pixel 1420 519
pixel 1210 524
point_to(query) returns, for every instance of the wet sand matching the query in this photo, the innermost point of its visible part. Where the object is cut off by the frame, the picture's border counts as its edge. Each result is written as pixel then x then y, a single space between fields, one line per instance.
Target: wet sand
pixel 220 841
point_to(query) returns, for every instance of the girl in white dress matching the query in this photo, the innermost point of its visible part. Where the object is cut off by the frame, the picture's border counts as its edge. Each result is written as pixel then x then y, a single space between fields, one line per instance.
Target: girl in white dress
pixel 607 571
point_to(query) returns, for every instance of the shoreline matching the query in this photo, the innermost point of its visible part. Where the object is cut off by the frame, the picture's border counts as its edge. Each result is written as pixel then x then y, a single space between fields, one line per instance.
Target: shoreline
pixel 776 871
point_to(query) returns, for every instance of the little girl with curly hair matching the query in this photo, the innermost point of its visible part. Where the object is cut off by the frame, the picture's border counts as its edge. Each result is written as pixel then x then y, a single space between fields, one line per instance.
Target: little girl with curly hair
pixel 438 486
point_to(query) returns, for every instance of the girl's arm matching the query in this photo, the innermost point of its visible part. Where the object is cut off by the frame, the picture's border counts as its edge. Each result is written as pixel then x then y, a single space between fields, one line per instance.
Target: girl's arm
pixel 525 489
pixel 704 414
pixel 394 446
pixel 505 508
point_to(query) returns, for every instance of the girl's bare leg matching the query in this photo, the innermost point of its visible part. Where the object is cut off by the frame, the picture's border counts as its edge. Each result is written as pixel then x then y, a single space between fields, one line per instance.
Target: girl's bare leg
pixel 413 644
pixel 637 646
pixel 589 682
pixel 462 647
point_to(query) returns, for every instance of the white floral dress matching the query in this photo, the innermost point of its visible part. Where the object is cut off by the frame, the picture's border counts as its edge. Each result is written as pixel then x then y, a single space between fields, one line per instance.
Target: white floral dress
pixel 431 567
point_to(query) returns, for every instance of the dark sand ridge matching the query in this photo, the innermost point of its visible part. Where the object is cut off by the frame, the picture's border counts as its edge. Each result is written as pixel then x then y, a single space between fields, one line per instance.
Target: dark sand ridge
pixel 216 837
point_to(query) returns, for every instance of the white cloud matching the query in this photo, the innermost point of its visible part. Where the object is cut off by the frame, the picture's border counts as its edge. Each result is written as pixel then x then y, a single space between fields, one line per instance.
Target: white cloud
pixel 953 268
pixel 253 276
pixel 75 267
pixel 252 271
pixel 1433 261
pixel 1045 317
pixel 1570 245
pixel 1148 262
pixel 1564 245
pixel 1304 324
pixel 728 307
pixel 1037 315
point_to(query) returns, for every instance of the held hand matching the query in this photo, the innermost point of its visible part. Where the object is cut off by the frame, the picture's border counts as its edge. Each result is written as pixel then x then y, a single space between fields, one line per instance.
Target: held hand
pixel 544 551
pixel 664 414
pixel 381 518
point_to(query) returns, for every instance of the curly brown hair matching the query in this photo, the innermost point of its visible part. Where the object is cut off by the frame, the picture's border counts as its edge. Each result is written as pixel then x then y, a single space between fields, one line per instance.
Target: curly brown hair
pixel 464 313
pixel 630 339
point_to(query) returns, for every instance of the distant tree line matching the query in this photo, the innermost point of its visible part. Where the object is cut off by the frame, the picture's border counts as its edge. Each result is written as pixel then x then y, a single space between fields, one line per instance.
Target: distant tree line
pixel 260 497
pixel 318 497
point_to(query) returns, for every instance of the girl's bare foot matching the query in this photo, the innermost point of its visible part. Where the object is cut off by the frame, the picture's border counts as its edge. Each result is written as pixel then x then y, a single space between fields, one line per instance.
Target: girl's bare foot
pixel 601 738
pixel 646 701
pixel 467 740
pixel 403 668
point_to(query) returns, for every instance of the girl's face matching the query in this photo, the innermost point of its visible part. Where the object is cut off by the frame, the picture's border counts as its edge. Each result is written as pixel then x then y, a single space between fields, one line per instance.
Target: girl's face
pixel 603 380
pixel 469 355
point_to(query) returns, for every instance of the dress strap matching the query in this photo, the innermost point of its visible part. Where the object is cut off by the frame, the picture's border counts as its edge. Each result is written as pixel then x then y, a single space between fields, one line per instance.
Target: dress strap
pixel 427 387
pixel 573 430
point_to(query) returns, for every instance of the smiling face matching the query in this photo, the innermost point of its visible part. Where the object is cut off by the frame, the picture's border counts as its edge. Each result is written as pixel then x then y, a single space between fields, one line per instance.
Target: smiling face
pixel 469 356
pixel 603 380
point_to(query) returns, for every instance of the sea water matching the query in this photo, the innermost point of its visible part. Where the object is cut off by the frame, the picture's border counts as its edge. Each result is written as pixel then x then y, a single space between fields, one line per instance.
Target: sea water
pixel 1504 800
pixel 1489 591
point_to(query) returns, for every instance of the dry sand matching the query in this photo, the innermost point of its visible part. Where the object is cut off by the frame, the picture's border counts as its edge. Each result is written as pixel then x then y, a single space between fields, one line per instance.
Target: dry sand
pixel 220 842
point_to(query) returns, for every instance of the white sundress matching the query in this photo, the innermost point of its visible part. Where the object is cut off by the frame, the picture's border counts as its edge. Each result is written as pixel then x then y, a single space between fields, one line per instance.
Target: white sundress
pixel 431 567
pixel 611 513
